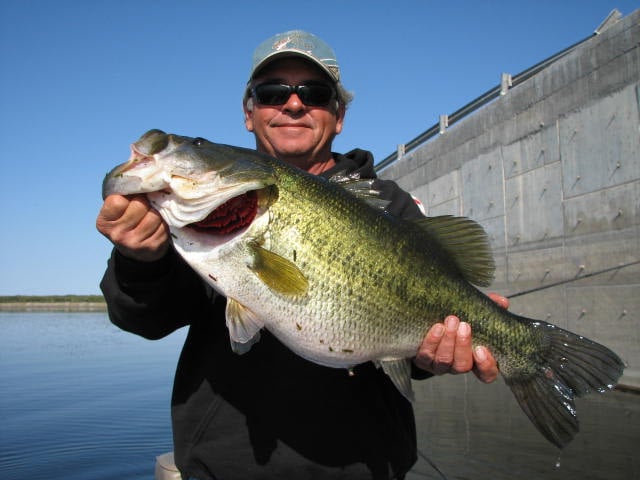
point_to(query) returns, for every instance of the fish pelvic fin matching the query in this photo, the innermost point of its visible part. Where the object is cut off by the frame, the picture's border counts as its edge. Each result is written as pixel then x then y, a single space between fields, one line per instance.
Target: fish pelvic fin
pixel 568 366
pixel 467 243
pixel 244 326
pixel 399 371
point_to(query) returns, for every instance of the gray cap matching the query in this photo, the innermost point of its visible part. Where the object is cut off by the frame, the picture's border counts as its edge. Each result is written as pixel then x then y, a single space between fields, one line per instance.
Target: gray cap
pixel 296 43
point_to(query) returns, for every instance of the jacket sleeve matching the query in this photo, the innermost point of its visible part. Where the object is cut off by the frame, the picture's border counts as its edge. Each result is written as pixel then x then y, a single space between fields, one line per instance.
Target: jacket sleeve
pixel 153 299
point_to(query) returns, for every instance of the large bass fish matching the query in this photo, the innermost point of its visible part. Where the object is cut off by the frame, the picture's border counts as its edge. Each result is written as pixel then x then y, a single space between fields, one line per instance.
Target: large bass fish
pixel 339 281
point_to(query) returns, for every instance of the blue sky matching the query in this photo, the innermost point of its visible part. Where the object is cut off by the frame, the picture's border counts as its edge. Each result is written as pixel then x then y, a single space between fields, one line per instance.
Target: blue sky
pixel 80 80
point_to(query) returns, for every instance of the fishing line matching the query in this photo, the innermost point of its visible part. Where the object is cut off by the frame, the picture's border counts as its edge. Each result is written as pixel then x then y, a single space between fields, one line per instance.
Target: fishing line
pixel 433 465
pixel 561 282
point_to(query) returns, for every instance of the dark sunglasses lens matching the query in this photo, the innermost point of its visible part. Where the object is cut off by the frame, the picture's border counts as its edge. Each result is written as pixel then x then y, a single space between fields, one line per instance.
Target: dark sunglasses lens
pixel 272 94
pixel 315 95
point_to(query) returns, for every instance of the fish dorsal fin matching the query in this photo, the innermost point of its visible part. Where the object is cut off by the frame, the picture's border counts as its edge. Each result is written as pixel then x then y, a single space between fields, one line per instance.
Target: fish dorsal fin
pixel 344 178
pixel 278 273
pixel 362 188
pixel 399 371
pixel 244 326
pixel 466 242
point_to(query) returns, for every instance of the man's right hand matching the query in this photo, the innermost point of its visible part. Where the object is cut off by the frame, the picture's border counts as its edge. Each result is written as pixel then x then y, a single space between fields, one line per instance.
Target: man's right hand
pixel 136 229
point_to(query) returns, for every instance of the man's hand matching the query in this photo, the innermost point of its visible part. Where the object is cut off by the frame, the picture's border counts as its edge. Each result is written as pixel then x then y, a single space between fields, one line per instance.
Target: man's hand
pixel 136 229
pixel 447 349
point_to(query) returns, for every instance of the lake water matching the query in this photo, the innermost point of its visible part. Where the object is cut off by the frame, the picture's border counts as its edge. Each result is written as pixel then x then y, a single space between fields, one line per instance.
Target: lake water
pixel 82 400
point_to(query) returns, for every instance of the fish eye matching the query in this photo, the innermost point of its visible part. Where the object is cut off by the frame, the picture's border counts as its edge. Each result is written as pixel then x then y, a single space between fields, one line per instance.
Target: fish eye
pixel 198 141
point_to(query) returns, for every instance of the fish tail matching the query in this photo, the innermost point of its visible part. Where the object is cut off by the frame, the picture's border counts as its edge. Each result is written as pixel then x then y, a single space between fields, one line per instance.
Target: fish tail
pixel 564 367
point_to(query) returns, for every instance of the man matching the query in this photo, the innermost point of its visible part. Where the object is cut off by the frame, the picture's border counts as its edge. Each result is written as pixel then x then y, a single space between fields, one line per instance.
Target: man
pixel 269 413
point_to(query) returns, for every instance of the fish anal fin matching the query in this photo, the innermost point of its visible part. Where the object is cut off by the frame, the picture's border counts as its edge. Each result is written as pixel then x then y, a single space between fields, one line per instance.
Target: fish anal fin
pixel 278 273
pixel 467 243
pixel 244 326
pixel 399 371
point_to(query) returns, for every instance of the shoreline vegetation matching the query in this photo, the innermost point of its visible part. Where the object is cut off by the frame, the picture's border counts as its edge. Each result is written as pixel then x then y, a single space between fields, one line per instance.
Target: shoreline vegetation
pixel 52 303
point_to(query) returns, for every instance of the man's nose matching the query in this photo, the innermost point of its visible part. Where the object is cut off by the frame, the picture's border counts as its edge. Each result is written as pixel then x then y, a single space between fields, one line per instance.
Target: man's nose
pixel 294 104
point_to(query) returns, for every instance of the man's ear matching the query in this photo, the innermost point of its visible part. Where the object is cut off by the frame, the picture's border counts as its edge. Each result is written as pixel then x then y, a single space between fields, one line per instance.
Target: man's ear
pixel 248 114
pixel 340 113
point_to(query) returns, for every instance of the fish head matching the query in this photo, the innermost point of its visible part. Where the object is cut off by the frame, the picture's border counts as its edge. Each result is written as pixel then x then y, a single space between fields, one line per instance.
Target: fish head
pixel 216 202
pixel 194 174
pixel 188 179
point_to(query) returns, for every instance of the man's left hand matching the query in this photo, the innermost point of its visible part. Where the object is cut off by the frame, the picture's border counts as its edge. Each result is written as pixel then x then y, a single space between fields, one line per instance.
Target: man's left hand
pixel 447 348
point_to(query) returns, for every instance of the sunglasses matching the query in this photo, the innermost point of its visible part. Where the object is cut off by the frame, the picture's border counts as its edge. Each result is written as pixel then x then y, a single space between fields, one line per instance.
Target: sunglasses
pixel 311 94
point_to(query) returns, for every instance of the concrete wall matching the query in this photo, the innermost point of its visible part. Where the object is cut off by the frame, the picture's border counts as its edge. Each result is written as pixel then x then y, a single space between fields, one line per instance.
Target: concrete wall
pixel 552 171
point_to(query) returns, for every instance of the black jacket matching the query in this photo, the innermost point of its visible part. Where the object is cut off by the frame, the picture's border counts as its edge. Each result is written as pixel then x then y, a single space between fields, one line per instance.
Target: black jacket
pixel 267 414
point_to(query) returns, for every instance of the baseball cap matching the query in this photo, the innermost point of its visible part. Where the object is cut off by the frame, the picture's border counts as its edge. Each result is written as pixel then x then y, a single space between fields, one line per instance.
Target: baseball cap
pixel 296 43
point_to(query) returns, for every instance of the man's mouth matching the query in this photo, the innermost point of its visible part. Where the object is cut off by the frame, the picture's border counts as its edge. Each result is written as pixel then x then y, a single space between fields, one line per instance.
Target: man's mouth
pixel 232 215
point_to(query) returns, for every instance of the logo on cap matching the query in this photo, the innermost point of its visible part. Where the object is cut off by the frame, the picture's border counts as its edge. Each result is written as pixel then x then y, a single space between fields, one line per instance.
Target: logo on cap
pixel 297 42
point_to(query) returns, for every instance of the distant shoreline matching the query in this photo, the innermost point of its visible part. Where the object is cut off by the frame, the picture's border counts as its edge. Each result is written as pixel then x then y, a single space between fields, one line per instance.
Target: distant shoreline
pixel 53 307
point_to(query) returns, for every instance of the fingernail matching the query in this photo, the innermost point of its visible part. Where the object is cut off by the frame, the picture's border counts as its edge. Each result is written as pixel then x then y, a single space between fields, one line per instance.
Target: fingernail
pixel 481 354
pixel 464 329
pixel 451 323
pixel 438 330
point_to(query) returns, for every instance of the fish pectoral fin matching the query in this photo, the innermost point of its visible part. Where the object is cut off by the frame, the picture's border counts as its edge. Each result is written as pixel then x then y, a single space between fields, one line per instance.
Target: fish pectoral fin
pixel 244 326
pixel 278 273
pixel 466 242
pixel 399 371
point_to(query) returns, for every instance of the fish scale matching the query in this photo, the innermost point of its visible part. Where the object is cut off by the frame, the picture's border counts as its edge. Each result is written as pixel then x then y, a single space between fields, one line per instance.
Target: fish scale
pixel 341 282
pixel 359 321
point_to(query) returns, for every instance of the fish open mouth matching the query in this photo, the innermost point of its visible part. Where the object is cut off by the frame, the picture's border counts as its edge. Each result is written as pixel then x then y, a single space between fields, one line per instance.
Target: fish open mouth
pixel 232 215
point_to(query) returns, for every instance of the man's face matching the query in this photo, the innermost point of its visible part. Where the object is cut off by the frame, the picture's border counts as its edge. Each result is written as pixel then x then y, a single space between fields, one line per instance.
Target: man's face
pixel 294 132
